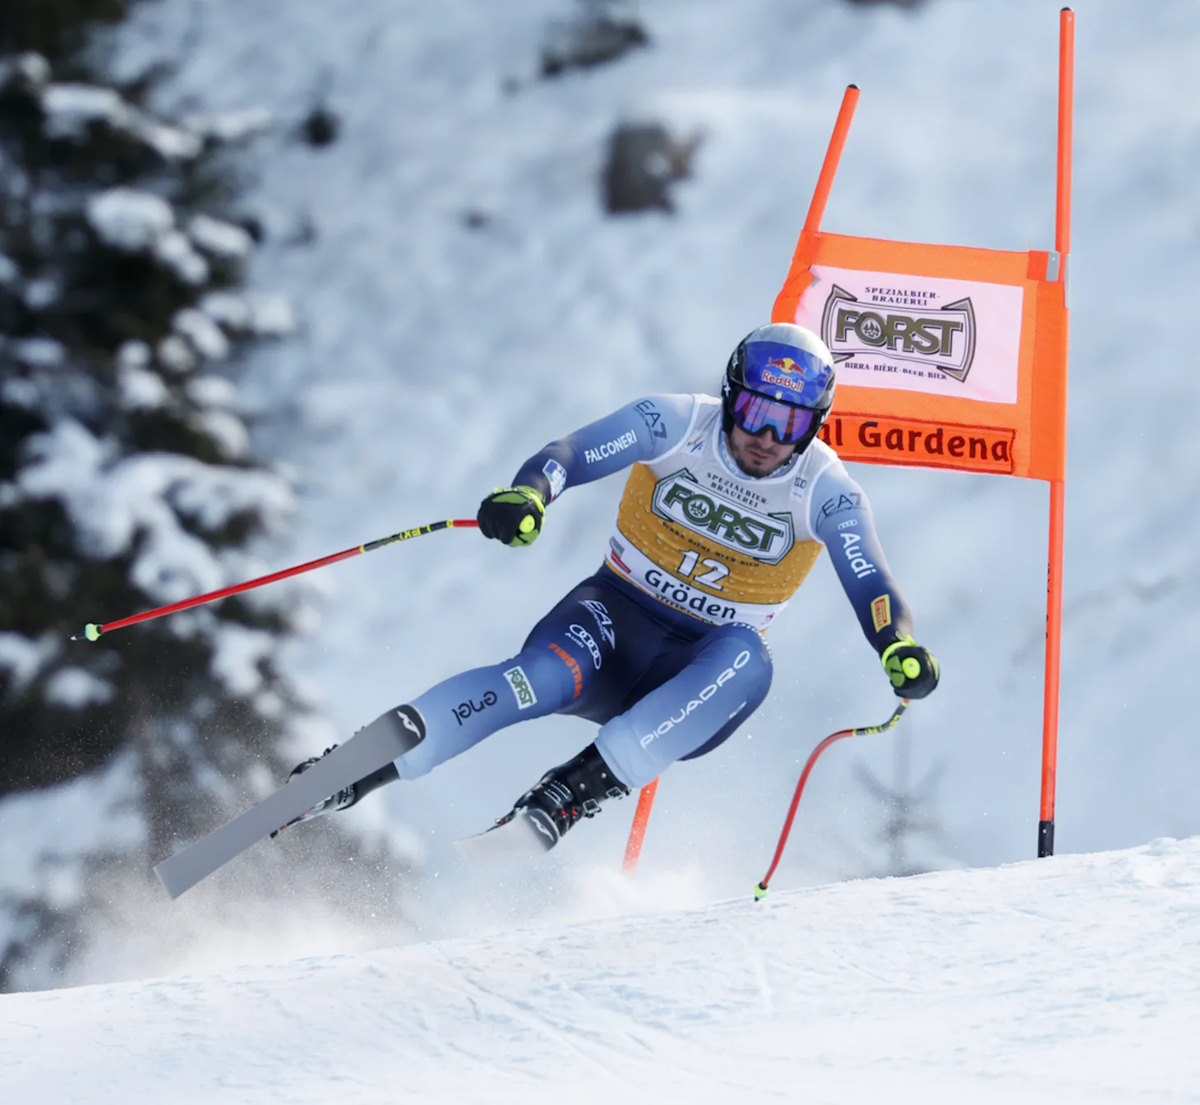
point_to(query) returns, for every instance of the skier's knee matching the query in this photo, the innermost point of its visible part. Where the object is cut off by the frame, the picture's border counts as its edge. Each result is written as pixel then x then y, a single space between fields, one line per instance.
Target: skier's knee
pixel 748 650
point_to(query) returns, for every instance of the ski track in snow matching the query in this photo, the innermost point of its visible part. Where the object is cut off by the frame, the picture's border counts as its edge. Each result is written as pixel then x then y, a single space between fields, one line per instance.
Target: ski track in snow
pixel 1071 980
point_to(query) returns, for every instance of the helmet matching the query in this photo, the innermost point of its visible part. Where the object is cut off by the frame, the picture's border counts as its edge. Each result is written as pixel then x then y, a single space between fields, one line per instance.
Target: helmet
pixel 781 376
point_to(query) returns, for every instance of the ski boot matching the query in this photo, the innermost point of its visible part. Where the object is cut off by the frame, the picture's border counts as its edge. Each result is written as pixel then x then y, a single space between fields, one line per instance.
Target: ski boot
pixel 567 793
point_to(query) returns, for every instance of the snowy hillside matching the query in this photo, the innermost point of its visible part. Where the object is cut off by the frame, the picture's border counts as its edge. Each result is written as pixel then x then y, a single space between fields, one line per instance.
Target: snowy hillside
pixel 463 298
pixel 1067 982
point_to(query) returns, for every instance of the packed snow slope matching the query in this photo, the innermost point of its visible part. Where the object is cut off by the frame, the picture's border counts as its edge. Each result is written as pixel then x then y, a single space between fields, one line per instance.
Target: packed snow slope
pixel 1072 981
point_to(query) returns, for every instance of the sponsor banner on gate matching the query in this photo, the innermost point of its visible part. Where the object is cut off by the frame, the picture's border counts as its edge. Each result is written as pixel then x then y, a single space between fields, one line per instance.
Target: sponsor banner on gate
pixel 918 333
pixel 912 441
pixel 947 356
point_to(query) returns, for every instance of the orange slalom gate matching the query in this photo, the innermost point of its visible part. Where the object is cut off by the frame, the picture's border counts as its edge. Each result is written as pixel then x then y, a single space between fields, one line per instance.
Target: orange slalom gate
pixel 948 357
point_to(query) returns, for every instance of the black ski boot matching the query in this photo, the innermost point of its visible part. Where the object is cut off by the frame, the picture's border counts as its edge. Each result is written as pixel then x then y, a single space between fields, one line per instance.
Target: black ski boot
pixel 567 793
pixel 346 797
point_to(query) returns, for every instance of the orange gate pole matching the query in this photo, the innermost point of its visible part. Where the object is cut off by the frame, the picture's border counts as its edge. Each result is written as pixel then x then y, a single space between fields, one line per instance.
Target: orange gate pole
pixel 1054 582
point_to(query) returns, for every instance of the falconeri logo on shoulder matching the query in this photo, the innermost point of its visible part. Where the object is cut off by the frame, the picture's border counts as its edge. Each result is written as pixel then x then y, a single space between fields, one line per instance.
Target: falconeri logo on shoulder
pixel 901 326
pixel 680 499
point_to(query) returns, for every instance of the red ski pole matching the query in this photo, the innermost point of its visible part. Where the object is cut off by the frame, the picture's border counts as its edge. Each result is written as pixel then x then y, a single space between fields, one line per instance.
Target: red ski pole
pixel 93 631
pixel 760 890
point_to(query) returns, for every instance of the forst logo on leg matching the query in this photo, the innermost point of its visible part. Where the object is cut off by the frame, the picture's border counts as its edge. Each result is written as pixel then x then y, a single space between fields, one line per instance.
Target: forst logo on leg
pixel 937 337
pixel 522 689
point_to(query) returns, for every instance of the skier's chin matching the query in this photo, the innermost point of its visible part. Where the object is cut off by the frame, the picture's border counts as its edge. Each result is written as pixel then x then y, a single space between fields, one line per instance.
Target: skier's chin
pixel 757 464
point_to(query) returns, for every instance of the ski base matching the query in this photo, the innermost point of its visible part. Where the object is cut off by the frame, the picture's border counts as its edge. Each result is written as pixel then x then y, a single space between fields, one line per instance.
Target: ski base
pixel 385 739
pixel 520 833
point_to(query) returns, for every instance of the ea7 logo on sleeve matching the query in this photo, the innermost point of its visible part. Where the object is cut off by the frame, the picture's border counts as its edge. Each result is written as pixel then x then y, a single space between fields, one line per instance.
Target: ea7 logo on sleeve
pixel 651 417
pixel 840 502
pixel 603 622
pixel 522 689
pixel 766 537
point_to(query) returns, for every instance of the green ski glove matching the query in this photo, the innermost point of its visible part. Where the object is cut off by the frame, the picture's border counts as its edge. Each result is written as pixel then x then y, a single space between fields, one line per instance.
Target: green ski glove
pixel 512 515
pixel 912 668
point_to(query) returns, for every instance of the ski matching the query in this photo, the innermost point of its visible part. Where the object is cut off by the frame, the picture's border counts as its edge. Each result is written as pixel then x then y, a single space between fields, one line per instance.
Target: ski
pixel 525 832
pixel 386 738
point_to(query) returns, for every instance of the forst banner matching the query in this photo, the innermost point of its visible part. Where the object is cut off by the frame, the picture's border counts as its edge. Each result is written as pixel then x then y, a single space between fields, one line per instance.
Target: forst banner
pixel 947 356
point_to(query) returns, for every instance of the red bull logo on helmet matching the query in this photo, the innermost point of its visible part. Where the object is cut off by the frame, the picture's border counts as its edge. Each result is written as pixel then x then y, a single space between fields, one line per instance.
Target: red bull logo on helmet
pixel 783 372
pixel 795 377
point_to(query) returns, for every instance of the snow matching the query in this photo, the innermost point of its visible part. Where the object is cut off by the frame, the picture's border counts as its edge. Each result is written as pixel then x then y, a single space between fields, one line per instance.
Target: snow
pixel 38 352
pixel 220 238
pixel 42 836
pixel 236 659
pixel 1065 982
pixel 176 355
pixel 129 219
pixel 176 251
pixel 74 688
pixel 41 293
pixel 112 502
pixel 140 389
pixel 133 354
pixel 33 68
pixel 134 221
pixel 204 334
pixel 21 658
pixel 431 358
pixel 225 429
pixel 71 108
pixel 229 126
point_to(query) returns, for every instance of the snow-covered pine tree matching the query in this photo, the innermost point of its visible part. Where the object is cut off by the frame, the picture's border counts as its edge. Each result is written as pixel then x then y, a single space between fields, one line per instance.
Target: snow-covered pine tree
pixel 127 480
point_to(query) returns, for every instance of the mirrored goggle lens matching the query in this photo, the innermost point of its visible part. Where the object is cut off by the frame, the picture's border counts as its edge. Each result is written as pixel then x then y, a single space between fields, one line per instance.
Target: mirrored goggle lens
pixel 755 413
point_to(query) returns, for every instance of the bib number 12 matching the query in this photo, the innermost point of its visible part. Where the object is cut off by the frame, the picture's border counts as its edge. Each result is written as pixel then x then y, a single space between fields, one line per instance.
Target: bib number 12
pixel 714 570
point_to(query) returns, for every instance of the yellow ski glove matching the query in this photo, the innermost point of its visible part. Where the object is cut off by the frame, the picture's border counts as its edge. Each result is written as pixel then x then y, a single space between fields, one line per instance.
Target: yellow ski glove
pixel 512 515
pixel 912 668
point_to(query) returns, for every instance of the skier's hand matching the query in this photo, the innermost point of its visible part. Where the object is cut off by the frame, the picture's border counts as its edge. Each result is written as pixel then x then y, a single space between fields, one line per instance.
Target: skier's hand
pixel 912 668
pixel 512 515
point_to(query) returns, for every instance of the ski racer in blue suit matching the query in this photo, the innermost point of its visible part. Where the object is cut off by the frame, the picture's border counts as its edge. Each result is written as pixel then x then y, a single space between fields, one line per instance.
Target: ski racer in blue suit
pixel 726 507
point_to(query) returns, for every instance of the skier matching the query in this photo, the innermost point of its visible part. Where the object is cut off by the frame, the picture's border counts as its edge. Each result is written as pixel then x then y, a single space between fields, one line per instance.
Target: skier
pixel 726 509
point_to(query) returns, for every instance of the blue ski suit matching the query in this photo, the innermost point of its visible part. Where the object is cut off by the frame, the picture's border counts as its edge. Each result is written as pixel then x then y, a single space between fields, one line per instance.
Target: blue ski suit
pixel 663 645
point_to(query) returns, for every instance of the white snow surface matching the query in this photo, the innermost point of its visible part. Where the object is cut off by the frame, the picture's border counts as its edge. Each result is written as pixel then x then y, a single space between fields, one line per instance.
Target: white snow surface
pixel 429 359
pixel 129 219
pixel 1070 981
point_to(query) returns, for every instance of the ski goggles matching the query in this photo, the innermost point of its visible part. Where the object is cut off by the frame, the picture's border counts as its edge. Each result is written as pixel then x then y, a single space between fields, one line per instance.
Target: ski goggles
pixel 754 413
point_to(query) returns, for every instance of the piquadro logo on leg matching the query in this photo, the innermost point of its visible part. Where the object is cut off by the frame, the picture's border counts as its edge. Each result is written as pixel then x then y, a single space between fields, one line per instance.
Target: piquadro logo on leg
pixel 739 662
